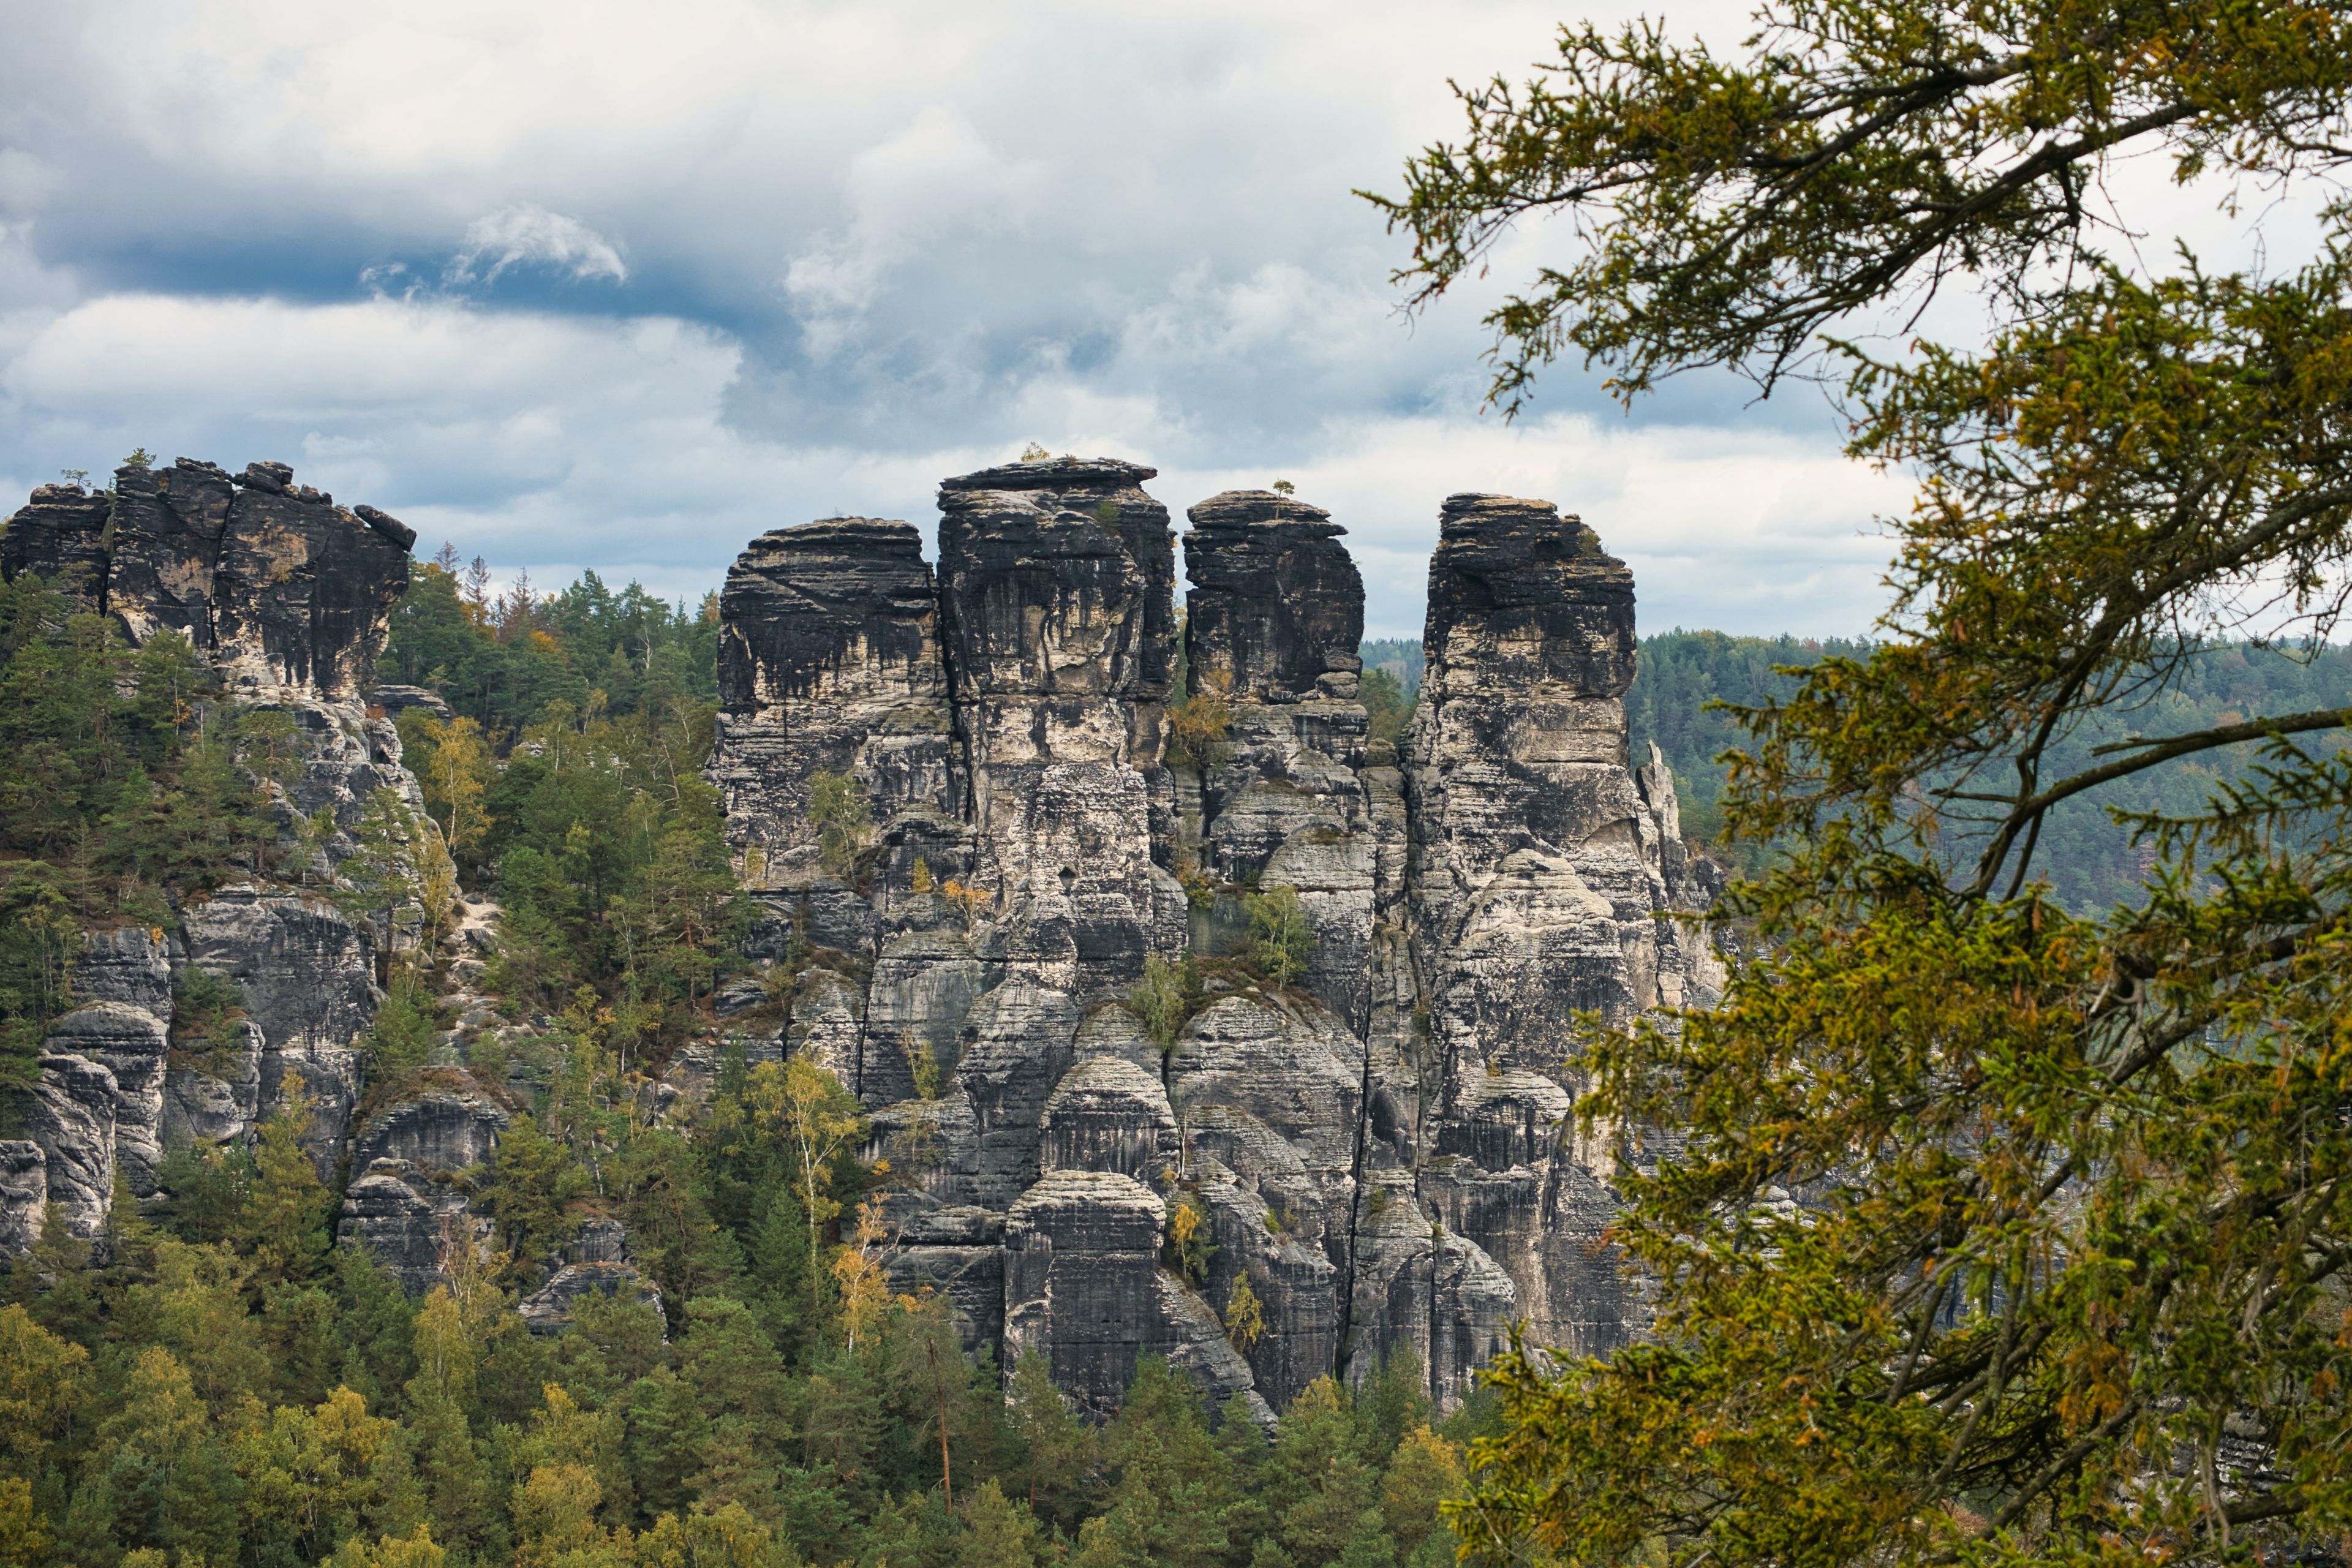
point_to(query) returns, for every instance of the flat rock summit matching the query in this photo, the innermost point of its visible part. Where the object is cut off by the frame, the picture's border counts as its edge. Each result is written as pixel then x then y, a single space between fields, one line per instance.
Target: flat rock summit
pixel 1069 790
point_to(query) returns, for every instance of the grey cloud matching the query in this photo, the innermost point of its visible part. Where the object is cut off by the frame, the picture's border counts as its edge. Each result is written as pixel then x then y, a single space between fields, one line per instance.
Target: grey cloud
pixel 758 262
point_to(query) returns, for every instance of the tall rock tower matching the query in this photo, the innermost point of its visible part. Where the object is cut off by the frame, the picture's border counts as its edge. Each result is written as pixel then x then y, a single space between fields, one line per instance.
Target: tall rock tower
pixel 1381 1149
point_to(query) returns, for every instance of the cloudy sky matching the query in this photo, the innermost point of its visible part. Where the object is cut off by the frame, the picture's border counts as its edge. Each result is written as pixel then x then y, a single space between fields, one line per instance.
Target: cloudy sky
pixel 620 285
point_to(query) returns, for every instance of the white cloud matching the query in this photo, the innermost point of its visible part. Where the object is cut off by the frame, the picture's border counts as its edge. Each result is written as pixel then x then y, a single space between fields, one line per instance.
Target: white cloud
pixel 529 234
pixel 860 248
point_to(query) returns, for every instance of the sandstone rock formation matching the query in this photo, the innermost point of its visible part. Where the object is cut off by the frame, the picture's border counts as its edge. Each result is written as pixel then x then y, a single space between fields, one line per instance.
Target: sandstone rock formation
pixel 596 1262
pixel 1382 1152
pixel 270 580
pixel 406 1201
pixel 286 597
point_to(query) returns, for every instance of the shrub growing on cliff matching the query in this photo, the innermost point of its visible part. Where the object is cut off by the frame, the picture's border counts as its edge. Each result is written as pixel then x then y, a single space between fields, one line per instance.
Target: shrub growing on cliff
pixel 1166 995
pixel 1281 942
pixel 1200 721
pixel 2068 1280
pixel 842 820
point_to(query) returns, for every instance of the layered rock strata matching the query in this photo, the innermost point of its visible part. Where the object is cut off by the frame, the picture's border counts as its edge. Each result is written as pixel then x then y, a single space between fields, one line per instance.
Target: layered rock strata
pixel 1539 869
pixel 1380 1153
pixel 285 597
pixel 270 580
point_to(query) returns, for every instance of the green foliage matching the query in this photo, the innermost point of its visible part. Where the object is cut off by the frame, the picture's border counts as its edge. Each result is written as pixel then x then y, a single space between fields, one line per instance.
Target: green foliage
pixel 403 1036
pixel 501 660
pixel 610 862
pixel 1168 995
pixel 1245 1315
pixel 2073 1184
pixel 843 822
pixel 1401 658
pixel 1387 706
pixel 120 783
pixel 1281 942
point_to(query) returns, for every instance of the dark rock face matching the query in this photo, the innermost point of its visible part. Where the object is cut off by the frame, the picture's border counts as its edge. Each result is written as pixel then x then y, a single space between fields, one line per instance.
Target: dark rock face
pixel 1276 604
pixel 287 598
pixel 1275 615
pixel 131 965
pixel 1058 580
pixel 1379 1154
pixel 272 581
pixel 60 535
pixel 828 660
pixel 1058 621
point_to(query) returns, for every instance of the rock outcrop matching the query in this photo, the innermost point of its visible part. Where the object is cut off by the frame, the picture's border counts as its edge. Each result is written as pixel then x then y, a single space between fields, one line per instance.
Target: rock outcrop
pixel 597 1263
pixel 71 1122
pixel 286 598
pixel 1539 869
pixel 828 662
pixel 410 1162
pixel 1380 1153
pixel 305 976
pixel 270 582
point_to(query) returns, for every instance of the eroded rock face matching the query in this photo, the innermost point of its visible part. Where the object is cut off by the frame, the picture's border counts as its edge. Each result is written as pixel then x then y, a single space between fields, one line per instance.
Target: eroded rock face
pixel 131 1044
pixel 23 1193
pixel 1275 605
pixel 131 965
pixel 71 1120
pixel 828 661
pixel 306 975
pixel 406 1203
pixel 1057 622
pixel 286 597
pixel 272 583
pixel 597 1263
pixel 1275 616
pixel 1539 868
pixel 59 535
pixel 1380 1153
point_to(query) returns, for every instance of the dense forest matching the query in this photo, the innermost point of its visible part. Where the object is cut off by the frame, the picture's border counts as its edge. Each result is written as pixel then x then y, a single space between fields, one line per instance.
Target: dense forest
pixel 214 1382
pixel 2090 860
